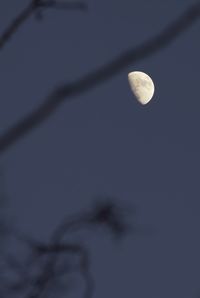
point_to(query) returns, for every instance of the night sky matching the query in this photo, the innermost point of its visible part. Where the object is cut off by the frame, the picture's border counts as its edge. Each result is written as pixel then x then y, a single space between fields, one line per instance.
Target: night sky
pixel 103 143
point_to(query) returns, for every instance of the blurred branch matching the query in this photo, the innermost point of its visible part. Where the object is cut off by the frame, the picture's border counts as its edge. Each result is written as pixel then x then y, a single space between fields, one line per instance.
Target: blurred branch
pixel 16 23
pixel 103 213
pixel 36 6
pixel 69 90
pixel 41 267
pixel 48 272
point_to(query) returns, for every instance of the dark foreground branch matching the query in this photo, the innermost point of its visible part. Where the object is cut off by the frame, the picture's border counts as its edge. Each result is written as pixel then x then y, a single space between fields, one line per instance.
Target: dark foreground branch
pixel 69 90
pixel 16 23
pixel 47 265
pixel 49 272
pixel 33 7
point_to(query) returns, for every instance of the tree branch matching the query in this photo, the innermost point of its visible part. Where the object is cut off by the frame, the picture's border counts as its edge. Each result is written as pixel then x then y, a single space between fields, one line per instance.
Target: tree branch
pixel 16 23
pixel 69 90
pixel 33 7
pixel 41 268
pixel 48 271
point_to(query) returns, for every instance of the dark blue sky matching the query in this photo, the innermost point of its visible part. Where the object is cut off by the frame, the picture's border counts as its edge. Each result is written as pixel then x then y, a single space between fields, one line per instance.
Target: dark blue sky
pixel 105 143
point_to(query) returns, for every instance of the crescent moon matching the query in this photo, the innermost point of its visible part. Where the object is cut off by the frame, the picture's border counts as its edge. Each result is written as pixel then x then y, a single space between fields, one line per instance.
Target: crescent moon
pixel 142 86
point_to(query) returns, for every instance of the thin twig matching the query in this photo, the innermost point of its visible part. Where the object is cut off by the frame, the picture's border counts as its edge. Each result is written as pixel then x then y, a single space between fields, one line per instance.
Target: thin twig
pixel 41 267
pixel 48 271
pixel 87 82
pixel 16 24
pixel 32 8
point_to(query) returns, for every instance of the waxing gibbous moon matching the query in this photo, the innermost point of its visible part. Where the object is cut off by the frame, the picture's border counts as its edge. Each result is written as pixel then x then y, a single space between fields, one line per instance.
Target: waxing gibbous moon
pixel 142 86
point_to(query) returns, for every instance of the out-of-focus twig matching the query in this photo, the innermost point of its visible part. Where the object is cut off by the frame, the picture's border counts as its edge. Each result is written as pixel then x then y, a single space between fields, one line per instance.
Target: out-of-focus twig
pixel 44 257
pixel 16 23
pixel 69 90
pixel 48 271
pixel 33 7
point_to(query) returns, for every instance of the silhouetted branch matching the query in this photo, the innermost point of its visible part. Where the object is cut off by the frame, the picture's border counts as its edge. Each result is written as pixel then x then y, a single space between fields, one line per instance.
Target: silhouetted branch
pixel 41 268
pixel 85 271
pixel 67 91
pixel 17 22
pixel 104 213
pixel 48 272
pixel 33 7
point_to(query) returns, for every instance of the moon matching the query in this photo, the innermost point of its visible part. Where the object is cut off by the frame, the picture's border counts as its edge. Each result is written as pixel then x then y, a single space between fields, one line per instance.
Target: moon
pixel 142 86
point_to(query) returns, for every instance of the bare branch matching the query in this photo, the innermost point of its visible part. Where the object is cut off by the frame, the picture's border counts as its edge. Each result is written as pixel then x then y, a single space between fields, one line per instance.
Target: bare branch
pixel 48 272
pixel 69 90
pixel 33 7
pixel 85 270
pixel 16 23
pixel 42 268
pixel 105 212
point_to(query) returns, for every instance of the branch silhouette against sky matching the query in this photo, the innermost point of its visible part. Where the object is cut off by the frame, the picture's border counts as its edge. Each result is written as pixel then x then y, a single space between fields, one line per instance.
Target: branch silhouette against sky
pixel 36 7
pixel 44 264
pixel 69 90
